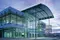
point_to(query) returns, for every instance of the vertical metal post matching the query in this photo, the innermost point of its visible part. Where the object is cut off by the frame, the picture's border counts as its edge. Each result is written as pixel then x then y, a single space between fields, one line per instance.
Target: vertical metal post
pixel 1 19
pixel 2 33
pixel 35 25
pixel 16 17
pixel 49 21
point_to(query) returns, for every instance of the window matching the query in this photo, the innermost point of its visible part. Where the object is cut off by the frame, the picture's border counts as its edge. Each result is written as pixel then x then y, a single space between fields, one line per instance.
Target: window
pixel 10 34
pixel 13 19
pixel 19 20
pixel 3 20
pixel 7 34
pixel 8 19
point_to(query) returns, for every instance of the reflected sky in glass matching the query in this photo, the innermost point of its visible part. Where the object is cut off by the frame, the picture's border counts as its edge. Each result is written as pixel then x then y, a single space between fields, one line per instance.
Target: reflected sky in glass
pixel 23 4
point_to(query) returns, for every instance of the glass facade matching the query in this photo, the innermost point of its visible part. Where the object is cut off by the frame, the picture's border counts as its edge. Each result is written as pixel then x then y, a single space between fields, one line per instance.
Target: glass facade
pixel 12 19
pixel 27 26
pixel 14 33
pixel 31 27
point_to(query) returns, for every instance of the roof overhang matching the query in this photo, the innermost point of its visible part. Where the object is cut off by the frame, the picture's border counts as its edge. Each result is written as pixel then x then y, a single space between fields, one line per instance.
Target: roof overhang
pixel 9 11
pixel 40 11
pixel 10 25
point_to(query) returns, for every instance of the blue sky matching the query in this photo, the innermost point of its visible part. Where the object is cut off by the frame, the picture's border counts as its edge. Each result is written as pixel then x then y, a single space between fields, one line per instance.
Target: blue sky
pixel 22 4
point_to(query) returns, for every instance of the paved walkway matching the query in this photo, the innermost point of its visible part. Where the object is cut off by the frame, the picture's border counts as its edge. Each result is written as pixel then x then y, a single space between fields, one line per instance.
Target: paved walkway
pixel 40 38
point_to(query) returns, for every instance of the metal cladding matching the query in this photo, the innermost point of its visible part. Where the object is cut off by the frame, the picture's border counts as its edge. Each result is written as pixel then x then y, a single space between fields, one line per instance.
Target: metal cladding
pixel 11 10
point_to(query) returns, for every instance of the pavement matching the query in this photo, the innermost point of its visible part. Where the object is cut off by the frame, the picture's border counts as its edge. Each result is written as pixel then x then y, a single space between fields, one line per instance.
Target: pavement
pixel 40 38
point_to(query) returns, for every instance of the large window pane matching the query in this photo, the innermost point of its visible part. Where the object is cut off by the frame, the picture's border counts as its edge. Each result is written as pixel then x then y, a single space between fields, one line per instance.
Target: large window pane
pixel 8 19
pixel 13 19
pixel 19 20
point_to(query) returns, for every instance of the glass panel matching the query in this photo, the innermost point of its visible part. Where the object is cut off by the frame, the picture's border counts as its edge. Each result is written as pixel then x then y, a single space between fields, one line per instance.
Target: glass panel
pixel 5 34
pixel 3 20
pixel 19 20
pixel 8 19
pixel 10 34
pixel 13 19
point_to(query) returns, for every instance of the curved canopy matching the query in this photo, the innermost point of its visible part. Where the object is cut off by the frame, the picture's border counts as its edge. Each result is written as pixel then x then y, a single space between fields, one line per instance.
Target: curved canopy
pixel 40 11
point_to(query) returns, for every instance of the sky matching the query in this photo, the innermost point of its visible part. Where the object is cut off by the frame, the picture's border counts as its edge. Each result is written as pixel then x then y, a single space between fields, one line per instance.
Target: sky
pixel 22 4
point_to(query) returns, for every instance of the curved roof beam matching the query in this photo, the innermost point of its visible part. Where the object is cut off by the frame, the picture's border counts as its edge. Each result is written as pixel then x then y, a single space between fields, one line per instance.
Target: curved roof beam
pixel 40 11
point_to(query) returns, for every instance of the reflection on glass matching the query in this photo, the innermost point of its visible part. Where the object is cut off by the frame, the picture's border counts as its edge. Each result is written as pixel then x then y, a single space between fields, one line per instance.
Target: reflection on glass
pixel 31 26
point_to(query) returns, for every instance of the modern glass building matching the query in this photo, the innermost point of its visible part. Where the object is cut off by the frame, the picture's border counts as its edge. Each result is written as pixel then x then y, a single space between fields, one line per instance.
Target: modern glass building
pixel 25 23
